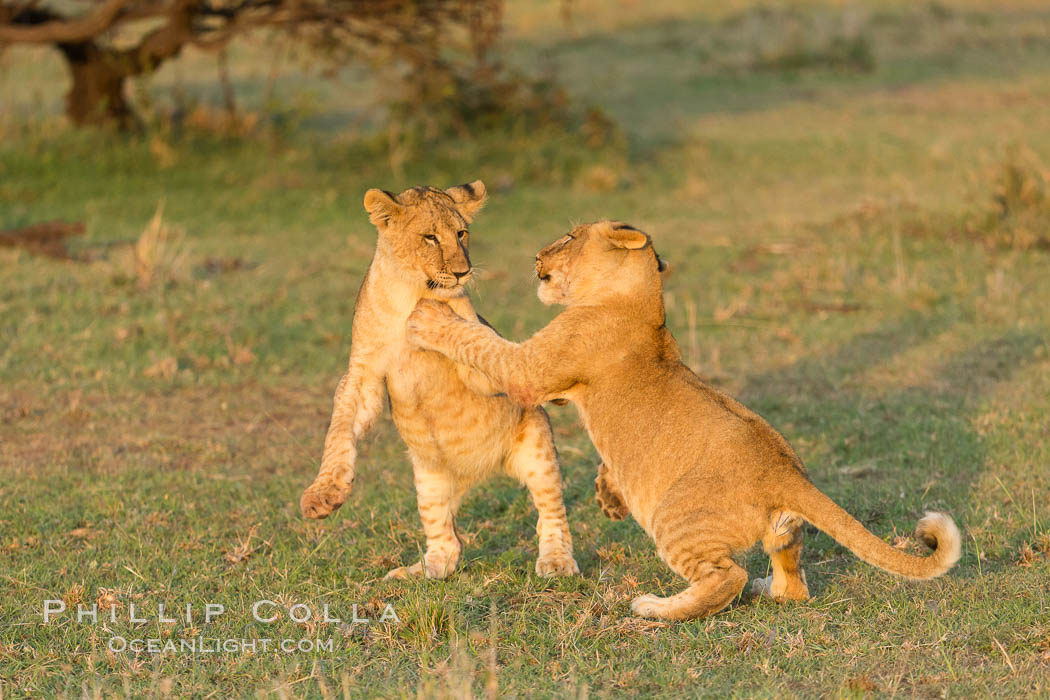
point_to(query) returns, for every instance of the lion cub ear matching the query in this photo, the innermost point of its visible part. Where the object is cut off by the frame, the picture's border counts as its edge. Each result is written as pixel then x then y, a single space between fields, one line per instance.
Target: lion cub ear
pixel 382 206
pixel 626 236
pixel 469 198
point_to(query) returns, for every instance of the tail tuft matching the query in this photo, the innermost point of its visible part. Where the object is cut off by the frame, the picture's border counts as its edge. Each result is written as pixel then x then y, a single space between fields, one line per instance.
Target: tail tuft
pixel 940 534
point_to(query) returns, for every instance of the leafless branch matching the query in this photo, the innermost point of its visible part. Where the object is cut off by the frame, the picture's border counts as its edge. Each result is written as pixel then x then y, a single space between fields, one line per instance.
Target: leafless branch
pixel 61 30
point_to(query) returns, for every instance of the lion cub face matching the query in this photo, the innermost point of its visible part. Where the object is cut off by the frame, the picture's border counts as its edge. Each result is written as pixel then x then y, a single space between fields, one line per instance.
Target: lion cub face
pixel 425 230
pixel 593 261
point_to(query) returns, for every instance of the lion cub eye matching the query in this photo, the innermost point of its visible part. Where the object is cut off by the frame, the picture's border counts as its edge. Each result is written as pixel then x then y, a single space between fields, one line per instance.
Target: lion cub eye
pixel 431 239
pixel 461 235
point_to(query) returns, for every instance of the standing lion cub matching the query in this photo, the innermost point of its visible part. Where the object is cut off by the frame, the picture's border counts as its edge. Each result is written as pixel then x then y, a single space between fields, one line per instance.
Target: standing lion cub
pixel 703 475
pixel 457 432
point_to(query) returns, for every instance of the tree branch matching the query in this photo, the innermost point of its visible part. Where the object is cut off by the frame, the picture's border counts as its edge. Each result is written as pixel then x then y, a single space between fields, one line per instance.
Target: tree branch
pixel 63 30
pixel 164 42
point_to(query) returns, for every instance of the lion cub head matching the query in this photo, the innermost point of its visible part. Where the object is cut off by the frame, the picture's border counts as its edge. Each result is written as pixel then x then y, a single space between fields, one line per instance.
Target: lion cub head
pixel 424 229
pixel 595 261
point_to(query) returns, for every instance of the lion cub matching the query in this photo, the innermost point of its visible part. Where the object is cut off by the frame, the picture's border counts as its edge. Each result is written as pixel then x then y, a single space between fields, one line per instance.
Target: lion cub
pixel 457 432
pixel 703 475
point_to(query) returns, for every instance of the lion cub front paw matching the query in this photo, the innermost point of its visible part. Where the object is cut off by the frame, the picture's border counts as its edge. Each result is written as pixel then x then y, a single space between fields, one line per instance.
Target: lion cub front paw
pixel 425 321
pixel 608 496
pixel 322 499
pixel 556 564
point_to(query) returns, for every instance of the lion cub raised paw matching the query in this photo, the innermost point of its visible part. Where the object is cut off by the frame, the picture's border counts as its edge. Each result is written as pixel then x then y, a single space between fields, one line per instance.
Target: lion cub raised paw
pixel 323 498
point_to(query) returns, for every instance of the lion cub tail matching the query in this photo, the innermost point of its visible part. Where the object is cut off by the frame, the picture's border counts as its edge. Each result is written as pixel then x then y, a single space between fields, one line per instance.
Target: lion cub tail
pixel 937 530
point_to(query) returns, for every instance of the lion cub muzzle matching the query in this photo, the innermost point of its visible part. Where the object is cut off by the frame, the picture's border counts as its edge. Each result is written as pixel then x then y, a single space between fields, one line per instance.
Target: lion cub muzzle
pixel 449 280
pixel 545 277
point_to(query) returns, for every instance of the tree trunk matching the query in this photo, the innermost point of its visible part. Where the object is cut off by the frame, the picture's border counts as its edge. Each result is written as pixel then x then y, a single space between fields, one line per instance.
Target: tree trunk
pixel 97 95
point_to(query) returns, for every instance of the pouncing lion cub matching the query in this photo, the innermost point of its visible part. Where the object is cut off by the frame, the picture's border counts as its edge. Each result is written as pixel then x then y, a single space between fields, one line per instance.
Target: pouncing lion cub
pixel 703 475
pixel 457 431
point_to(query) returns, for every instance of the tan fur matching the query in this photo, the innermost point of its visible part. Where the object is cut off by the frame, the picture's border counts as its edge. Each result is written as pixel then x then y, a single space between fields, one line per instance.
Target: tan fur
pixel 702 474
pixel 457 431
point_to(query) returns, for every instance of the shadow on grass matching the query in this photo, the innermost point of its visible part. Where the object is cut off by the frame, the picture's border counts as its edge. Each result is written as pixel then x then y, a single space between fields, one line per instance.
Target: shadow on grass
pixel 750 61
pixel 896 454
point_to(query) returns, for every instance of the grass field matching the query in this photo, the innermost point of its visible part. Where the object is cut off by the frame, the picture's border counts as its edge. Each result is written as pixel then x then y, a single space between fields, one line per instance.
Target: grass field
pixel 855 200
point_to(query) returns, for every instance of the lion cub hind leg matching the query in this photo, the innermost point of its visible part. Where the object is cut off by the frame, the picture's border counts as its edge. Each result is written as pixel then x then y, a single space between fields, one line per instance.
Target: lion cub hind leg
pixel 437 496
pixel 713 585
pixel 610 500
pixel 783 544
pixel 532 461
pixel 410 571
pixel 698 547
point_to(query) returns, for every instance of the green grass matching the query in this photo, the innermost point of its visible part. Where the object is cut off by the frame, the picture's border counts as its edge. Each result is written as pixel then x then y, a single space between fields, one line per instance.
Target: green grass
pixel 841 262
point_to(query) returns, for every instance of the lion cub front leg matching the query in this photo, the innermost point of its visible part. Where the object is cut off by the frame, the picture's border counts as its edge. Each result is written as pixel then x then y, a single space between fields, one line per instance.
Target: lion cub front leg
pixel 610 500
pixel 437 496
pixel 358 403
